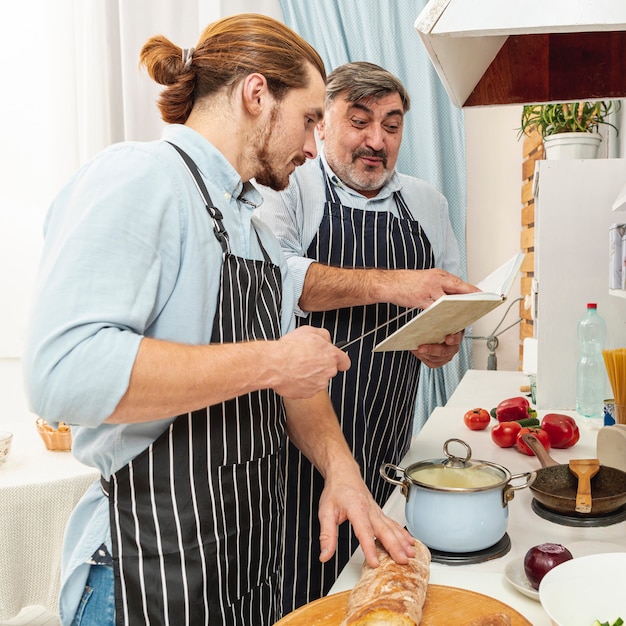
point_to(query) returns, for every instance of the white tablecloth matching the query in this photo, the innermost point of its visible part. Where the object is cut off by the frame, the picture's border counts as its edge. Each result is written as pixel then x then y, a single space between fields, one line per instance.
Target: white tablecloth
pixel 525 528
pixel 38 491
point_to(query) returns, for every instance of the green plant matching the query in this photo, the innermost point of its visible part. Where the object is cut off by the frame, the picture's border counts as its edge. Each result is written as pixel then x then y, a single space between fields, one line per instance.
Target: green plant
pixel 566 117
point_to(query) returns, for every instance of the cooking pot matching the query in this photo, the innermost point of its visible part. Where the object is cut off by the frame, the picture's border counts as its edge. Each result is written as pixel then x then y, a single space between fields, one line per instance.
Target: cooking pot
pixel 555 485
pixel 454 504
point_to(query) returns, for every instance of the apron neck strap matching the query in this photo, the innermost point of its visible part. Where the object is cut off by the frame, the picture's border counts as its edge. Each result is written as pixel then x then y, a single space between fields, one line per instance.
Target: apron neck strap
pixel 214 212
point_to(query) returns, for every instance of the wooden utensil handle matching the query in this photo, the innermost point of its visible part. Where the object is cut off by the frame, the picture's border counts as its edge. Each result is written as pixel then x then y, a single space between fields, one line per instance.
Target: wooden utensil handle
pixel 583 495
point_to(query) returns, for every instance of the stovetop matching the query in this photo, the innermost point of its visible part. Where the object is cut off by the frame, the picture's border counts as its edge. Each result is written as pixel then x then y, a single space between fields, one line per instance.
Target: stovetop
pixel 465 558
pixel 585 521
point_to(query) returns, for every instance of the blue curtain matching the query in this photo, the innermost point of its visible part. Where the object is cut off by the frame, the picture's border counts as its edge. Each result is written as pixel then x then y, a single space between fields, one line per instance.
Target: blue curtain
pixel 433 146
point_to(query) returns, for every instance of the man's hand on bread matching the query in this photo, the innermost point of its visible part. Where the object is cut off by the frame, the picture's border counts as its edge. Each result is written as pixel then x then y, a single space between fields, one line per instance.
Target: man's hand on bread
pixel 345 498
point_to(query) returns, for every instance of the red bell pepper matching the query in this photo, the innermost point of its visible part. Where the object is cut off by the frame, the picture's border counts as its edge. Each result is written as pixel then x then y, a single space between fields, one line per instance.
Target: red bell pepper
pixel 514 409
pixel 562 430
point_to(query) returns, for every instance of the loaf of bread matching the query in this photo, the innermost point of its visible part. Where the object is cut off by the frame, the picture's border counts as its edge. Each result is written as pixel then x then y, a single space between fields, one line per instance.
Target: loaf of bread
pixel 390 594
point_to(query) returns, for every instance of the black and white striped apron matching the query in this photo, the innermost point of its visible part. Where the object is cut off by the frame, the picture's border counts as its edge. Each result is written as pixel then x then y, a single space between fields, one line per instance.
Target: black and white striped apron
pixel 195 517
pixel 374 399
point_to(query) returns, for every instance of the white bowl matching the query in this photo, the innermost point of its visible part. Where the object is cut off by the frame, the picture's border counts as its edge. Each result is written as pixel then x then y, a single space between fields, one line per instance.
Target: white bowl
pixel 5 444
pixel 585 589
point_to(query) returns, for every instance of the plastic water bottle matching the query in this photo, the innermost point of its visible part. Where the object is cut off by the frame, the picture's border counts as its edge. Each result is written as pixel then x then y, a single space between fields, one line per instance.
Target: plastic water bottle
pixel 591 371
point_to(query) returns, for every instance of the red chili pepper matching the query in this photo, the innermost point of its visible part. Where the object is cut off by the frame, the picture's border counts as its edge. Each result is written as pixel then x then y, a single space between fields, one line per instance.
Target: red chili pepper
pixel 513 409
pixel 562 430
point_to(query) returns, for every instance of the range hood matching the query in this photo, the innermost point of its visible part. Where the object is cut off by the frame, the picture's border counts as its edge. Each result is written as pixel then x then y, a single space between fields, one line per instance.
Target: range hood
pixel 489 52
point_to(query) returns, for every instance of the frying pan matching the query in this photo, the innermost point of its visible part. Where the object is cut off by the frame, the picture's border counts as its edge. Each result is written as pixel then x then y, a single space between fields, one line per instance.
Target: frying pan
pixel 555 485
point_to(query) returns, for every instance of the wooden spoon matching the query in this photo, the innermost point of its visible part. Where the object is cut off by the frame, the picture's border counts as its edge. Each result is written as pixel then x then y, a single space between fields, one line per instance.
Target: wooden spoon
pixel 584 469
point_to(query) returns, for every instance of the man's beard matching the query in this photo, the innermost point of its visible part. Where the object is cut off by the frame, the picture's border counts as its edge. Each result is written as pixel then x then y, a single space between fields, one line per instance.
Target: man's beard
pixel 269 175
pixel 354 177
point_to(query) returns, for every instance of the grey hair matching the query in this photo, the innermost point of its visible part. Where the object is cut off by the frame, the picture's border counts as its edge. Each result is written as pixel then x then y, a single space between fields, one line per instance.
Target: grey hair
pixel 360 79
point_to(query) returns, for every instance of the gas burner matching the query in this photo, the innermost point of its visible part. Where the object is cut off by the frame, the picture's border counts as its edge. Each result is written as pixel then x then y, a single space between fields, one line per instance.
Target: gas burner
pixel 576 520
pixel 465 558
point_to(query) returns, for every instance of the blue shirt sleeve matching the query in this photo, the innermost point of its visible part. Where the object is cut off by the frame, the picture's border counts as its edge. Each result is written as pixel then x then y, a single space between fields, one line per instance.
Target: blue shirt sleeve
pixel 99 284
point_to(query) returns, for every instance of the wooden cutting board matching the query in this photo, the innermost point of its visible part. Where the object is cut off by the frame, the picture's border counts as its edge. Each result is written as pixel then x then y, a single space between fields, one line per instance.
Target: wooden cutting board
pixel 444 605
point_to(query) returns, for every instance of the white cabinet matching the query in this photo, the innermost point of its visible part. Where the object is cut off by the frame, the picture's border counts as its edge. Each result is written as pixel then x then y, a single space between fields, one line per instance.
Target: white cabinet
pixel 573 201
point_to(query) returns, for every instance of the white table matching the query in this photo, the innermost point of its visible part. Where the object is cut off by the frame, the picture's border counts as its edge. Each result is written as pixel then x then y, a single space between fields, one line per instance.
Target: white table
pixel 525 528
pixel 38 491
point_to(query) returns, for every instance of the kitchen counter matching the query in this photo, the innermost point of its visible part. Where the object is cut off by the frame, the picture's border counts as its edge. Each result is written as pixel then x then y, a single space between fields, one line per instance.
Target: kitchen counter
pixel 525 528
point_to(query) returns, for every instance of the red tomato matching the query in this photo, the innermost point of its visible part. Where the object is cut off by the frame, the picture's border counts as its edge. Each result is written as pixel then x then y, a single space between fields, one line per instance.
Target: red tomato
pixel 477 419
pixel 541 434
pixel 504 434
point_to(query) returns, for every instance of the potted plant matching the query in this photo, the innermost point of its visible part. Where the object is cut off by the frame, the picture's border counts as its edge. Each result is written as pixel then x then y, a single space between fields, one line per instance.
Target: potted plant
pixel 568 129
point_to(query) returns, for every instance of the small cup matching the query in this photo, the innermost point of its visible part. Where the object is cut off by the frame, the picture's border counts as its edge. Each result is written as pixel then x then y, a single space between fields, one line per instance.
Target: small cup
pixel 533 387
pixel 6 439
pixel 609 412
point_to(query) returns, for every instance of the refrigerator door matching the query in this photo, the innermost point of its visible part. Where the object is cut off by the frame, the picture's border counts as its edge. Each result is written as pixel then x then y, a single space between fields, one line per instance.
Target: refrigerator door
pixel 573 200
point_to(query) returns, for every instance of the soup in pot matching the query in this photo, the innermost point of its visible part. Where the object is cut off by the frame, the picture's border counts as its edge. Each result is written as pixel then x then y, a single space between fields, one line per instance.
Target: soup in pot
pixel 455 477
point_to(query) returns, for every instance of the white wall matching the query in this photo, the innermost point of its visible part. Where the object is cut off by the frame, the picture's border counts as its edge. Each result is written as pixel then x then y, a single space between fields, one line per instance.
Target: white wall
pixel 494 178
pixel 25 171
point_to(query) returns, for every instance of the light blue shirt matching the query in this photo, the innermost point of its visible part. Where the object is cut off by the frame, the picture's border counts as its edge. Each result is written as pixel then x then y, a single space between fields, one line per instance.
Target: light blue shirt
pixel 295 214
pixel 129 252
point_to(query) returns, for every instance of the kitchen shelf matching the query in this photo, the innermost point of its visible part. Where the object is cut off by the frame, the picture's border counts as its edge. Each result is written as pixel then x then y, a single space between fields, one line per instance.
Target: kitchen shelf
pixel 620 293
pixel 482 50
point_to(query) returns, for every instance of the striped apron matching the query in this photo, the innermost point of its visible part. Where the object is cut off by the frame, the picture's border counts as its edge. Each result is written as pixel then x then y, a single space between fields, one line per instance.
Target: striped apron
pixel 195 516
pixel 374 399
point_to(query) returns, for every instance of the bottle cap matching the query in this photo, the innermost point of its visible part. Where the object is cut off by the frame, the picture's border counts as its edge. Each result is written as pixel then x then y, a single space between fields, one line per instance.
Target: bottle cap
pixel 592 305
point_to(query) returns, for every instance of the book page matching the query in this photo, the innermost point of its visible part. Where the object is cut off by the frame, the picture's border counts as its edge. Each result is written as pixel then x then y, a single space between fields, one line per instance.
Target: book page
pixel 501 280
pixel 453 313
pixel 446 316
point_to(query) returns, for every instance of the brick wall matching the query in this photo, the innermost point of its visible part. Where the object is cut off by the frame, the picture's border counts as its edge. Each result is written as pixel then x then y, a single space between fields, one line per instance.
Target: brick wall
pixel 532 151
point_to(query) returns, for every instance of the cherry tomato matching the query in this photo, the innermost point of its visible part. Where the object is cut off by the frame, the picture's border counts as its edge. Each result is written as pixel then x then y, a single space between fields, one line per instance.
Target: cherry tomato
pixel 541 434
pixel 477 419
pixel 504 434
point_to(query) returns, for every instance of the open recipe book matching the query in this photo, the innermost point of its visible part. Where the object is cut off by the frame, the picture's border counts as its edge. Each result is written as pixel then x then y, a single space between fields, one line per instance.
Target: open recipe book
pixel 452 313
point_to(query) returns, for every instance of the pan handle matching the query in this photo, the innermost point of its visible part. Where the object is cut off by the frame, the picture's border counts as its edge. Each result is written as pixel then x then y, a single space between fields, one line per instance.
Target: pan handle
pixel 540 452
pixel 403 484
pixel 509 491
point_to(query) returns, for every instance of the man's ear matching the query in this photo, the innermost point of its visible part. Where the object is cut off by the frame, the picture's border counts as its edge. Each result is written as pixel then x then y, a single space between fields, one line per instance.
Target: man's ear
pixel 254 89
pixel 320 129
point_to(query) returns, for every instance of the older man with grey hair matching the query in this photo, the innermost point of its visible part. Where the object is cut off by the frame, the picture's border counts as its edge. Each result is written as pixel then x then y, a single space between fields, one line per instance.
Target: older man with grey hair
pixel 364 244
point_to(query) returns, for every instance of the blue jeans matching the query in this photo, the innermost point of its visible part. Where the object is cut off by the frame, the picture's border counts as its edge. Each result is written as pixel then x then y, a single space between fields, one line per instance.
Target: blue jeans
pixel 97 606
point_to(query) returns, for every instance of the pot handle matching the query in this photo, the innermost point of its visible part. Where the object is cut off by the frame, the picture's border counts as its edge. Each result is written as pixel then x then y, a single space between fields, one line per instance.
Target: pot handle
pixel 509 491
pixel 403 484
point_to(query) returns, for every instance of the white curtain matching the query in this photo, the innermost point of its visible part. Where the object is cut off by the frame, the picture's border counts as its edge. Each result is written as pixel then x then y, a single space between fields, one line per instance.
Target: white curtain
pixel 79 69
pixel 72 86
pixel 113 99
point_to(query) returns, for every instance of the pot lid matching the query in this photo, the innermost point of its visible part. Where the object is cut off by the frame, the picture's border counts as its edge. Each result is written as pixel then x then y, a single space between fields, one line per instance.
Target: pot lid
pixel 458 462
pixel 457 472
